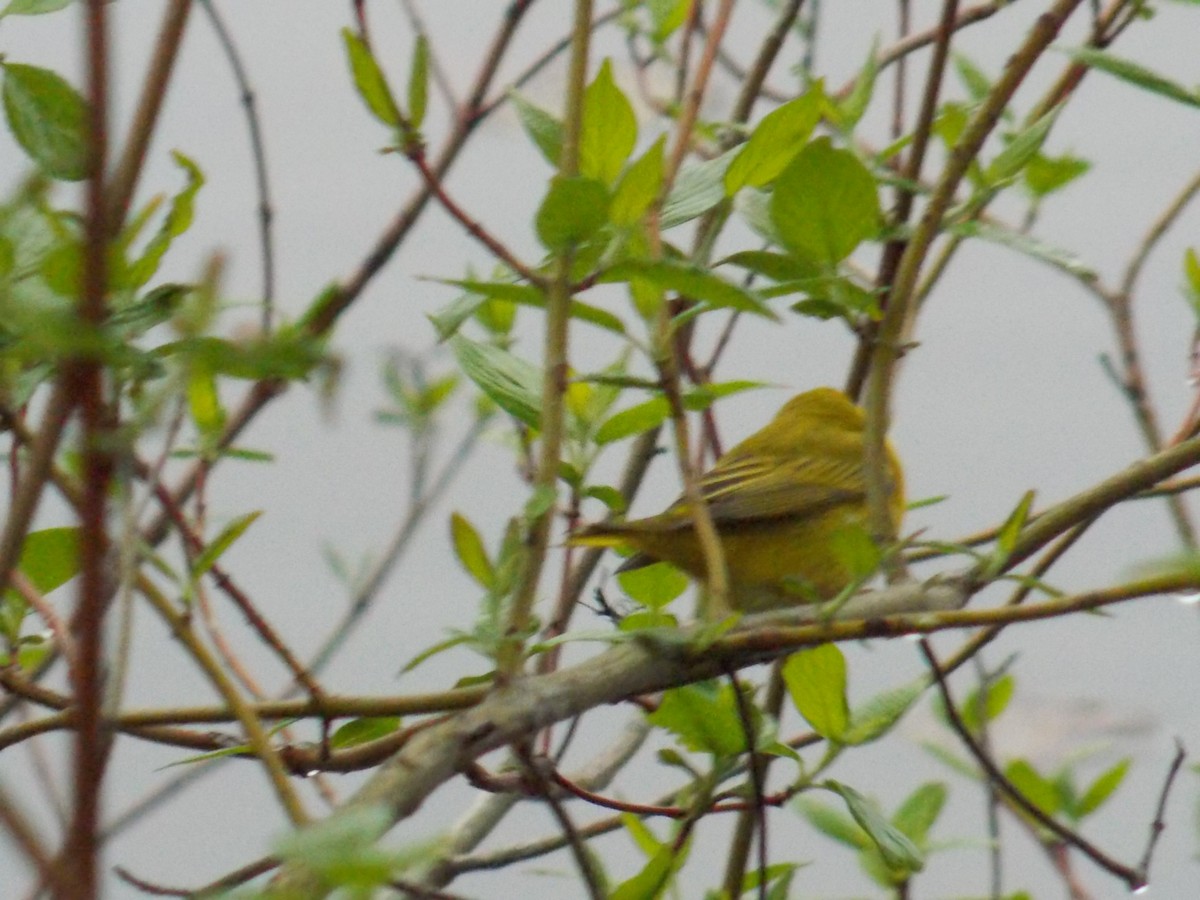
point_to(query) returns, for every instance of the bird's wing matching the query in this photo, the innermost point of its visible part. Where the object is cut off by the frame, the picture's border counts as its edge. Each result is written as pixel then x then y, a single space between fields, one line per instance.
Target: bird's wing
pixel 753 488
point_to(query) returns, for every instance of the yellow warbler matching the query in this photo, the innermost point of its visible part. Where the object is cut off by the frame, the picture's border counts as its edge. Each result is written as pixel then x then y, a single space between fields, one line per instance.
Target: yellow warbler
pixel 779 500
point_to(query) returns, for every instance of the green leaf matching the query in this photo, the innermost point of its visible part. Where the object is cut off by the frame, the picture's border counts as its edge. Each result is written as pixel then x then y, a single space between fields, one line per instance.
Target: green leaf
pixel 1022 148
pixel 634 420
pixel 774 143
pixel 468 546
pixel 996 699
pixel 852 108
pixel 573 210
pixel 1046 174
pixel 222 542
pixel 1037 790
pixel 638 187
pixel 704 717
pixel 654 878
pixel 956 763
pixel 654 585
pixel 1191 275
pixel 343 848
pixel 543 128
pixel 372 87
pixel 973 78
pixel 897 850
pixel 776 266
pixel 418 83
pixel 920 810
pixel 448 320
pixel 1006 539
pixel 514 384
pixel 667 16
pixel 364 730
pixel 643 838
pixel 1102 788
pixel 455 640
pixel 178 220
pixel 698 189
pixel 204 400
pixel 1027 245
pixel 609 129
pixel 33 7
pixel 690 281
pixel 816 680
pixel 832 823
pixel 1134 74
pixel 879 714
pixel 48 118
pixel 825 204
pixel 288 354
pixel 50 558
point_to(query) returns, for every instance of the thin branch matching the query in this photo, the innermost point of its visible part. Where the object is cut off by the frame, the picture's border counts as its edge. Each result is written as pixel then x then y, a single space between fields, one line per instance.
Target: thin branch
pixel 1133 879
pixel 258 152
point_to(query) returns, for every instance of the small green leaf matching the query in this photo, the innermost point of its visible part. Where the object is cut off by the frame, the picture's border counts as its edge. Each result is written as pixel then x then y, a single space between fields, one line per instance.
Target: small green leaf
pixel 609 129
pixel 48 118
pixel 1191 274
pixel 973 78
pixel 638 187
pixel 455 640
pixel 878 715
pixel 573 210
pixel 666 16
pixel 1006 539
pixel 1102 788
pixel 852 108
pixel 369 81
pixel 704 717
pixel 698 189
pixel 1026 244
pixel 543 128
pixel 897 850
pixel 776 266
pixel 653 880
pixel 364 730
pixel 448 320
pixel 33 7
pixel 204 401
pixel 981 707
pixel 654 585
pixel 775 142
pixel 514 384
pixel 920 810
pixel 1022 148
pixel 691 281
pixel 1046 174
pixel 1134 74
pixel 222 542
pixel 418 82
pixel 833 823
pixel 468 546
pixel 634 420
pixel 50 557
pixel 825 204
pixel 178 220
pixel 1036 789
pixel 816 680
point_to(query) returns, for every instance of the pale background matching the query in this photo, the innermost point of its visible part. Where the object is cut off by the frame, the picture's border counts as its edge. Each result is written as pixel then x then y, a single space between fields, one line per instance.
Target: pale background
pixel 1004 394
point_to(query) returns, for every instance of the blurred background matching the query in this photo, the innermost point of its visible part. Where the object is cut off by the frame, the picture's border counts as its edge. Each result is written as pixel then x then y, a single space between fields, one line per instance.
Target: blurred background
pixel 1005 393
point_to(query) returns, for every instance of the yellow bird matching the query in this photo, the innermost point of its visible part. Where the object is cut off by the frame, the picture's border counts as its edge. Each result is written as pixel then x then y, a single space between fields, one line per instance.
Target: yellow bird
pixel 779 501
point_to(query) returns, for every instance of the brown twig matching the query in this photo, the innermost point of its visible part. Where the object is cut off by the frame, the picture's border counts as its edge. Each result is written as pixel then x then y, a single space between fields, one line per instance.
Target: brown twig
pixel 1134 880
